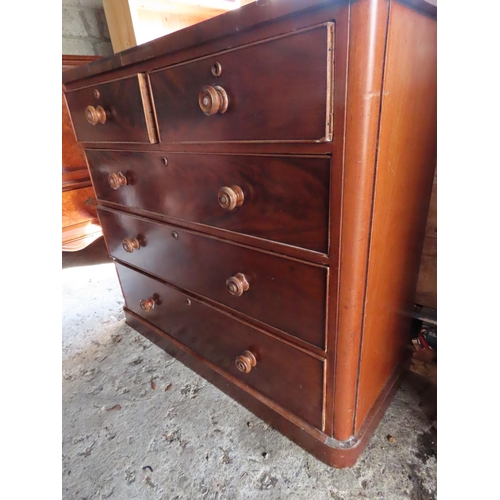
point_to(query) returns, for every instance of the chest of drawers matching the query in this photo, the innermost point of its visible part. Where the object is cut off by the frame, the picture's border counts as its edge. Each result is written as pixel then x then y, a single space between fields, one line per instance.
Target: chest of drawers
pixel 263 180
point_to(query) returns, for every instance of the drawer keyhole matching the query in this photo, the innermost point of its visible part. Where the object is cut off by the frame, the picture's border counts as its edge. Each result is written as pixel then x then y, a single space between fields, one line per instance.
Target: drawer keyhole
pixel 217 69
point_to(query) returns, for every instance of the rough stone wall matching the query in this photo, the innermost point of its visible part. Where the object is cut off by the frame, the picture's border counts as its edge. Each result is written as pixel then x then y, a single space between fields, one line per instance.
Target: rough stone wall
pixel 84 28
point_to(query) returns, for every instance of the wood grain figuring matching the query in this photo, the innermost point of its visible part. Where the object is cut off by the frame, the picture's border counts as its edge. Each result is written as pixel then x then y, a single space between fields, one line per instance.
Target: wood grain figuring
pixel 283 206
pixel 74 179
pixel 366 56
pixel 80 236
pixel 283 293
pixel 286 199
pixel 120 66
pixel 73 156
pixel 246 19
pixel 322 446
pixel 221 338
pixel 296 107
pixel 227 30
pixel 126 116
pixel 78 205
pixel 405 170
pixel 120 24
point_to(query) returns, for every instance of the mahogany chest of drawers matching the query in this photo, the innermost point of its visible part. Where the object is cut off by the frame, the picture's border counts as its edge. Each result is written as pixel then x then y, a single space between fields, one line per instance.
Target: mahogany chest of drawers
pixel 263 180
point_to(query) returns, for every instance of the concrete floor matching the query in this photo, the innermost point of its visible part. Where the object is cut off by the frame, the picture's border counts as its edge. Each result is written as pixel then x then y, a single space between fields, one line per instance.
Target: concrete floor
pixel 139 425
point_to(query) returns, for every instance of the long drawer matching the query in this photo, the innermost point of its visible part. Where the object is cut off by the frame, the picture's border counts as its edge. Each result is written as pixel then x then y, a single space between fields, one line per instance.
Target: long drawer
pixel 276 90
pixel 285 199
pixel 117 111
pixel 286 375
pixel 281 292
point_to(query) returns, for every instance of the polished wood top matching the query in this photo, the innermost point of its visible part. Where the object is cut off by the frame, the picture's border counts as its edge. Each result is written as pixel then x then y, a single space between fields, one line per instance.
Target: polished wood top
pixel 245 18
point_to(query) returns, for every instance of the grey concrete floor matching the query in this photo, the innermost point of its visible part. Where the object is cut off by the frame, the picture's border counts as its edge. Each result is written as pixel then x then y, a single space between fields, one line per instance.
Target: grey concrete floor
pixel 137 424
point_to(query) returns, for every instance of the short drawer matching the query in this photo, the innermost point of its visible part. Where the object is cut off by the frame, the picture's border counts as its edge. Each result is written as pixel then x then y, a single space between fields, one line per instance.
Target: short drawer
pixel 288 376
pixel 275 90
pixel 117 111
pixel 284 199
pixel 281 292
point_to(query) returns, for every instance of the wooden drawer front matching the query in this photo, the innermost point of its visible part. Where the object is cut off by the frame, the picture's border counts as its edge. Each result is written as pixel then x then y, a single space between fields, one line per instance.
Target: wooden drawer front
pixel 277 90
pixel 285 199
pixel 127 109
pixel 283 293
pixel 287 375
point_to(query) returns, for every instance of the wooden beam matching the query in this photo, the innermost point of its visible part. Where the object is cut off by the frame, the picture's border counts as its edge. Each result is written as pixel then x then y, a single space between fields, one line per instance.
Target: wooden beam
pixel 131 23
pixel 120 24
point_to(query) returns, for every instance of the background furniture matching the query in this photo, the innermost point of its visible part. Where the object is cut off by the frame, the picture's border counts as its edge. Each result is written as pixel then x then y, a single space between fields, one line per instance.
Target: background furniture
pixel 80 225
pixel 132 23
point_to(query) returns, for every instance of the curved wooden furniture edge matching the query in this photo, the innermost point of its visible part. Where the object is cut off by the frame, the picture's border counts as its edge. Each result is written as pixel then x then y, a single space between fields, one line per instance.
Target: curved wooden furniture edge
pixel 77 244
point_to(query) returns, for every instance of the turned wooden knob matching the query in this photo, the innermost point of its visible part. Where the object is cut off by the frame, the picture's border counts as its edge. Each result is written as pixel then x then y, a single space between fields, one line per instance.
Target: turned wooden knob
pixel 237 284
pixel 147 305
pixel 95 115
pixel 230 197
pixel 116 180
pixel 245 362
pixel 213 100
pixel 131 244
